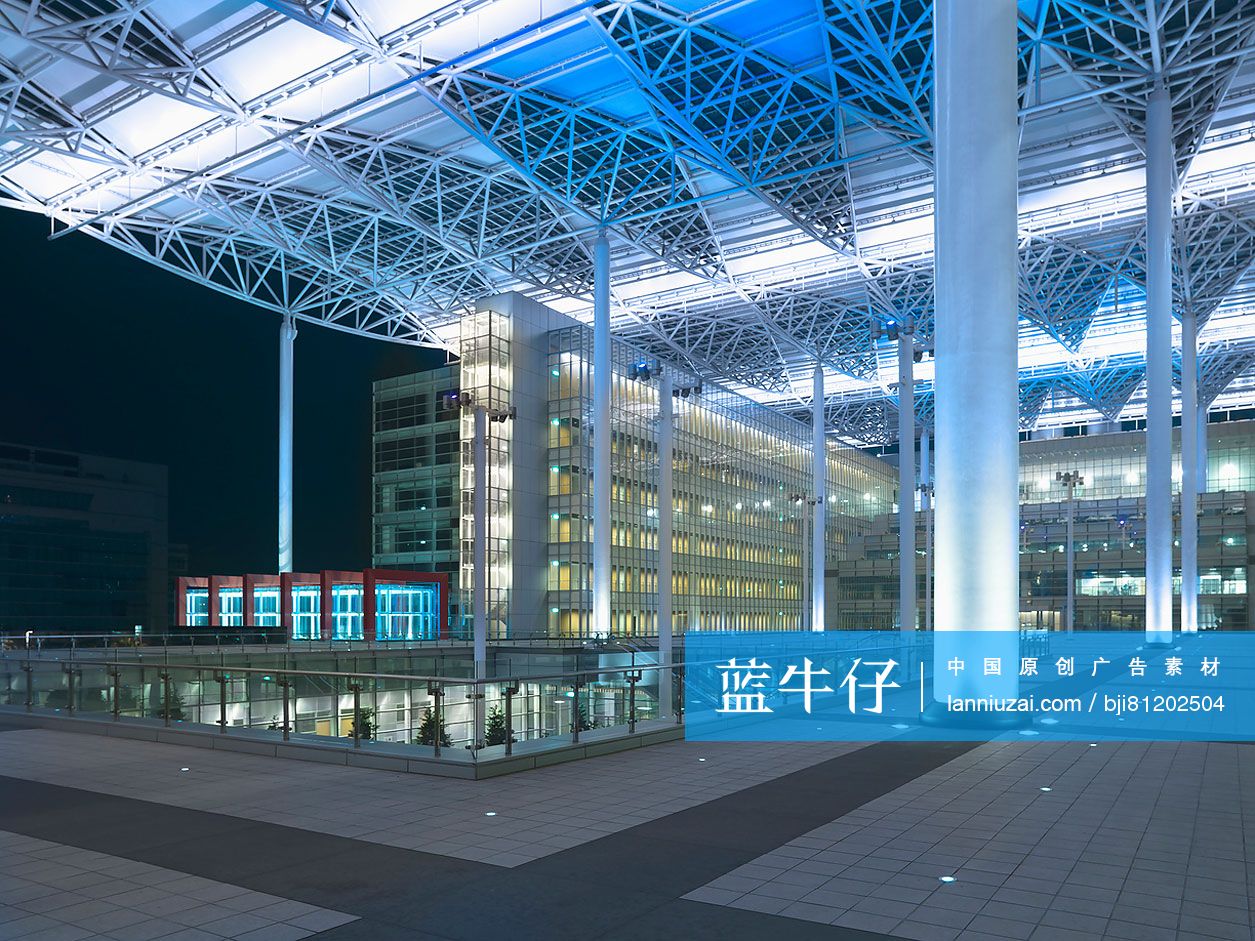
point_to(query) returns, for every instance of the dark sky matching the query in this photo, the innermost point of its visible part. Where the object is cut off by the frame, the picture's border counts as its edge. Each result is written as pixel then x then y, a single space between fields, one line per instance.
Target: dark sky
pixel 106 354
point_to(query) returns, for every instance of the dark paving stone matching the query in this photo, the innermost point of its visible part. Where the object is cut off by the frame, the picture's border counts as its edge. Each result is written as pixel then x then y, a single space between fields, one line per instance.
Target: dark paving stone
pixel 625 884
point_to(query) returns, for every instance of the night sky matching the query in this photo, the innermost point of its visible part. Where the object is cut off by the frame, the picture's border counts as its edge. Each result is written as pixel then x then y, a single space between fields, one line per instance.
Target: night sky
pixel 106 354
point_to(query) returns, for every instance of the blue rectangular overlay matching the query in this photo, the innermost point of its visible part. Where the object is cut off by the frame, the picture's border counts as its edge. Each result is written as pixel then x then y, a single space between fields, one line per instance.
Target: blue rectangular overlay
pixel 967 685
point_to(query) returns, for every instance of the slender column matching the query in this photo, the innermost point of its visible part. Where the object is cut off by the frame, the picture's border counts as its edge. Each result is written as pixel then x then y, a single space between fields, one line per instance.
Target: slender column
pixel 906 480
pixel 1189 473
pixel 666 531
pixel 1160 173
pixel 1202 446
pixel 977 417
pixel 602 482
pixel 819 450
pixel 287 334
pixel 1070 614
pixel 479 559
pixel 926 504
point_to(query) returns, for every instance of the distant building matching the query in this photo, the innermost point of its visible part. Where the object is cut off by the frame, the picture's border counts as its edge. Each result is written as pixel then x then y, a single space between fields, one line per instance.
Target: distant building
pixel 83 543
pixel 742 476
pixel 1108 539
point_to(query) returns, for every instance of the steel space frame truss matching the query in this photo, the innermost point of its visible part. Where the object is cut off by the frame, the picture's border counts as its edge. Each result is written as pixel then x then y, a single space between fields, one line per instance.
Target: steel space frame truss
pixel 376 232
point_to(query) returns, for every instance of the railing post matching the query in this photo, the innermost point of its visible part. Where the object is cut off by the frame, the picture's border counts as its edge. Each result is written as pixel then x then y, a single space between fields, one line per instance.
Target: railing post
pixel 575 713
pixel 283 684
pixel 679 699
pixel 436 693
pixel 357 713
pixel 69 677
pixel 222 701
pixel 510 692
pixel 633 679
pixel 115 674
pixel 165 697
pixel 30 689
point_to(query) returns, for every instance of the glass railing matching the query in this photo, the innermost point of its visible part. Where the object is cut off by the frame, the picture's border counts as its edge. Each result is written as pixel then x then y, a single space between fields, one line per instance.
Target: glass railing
pixel 437 717
pixel 214 638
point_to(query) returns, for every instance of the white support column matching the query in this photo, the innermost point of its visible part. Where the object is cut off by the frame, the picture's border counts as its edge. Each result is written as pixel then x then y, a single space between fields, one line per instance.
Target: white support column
pixel 1202 446
pixel 479 525
pixel 906 480
pixel 1069 615
pixel 287 336
pixel 666 505
pixel 1189 472
pixel 926 504
pixel 479 561
pixel 1160 176
pixel 819 452
pixel 602 482
pixel 977 298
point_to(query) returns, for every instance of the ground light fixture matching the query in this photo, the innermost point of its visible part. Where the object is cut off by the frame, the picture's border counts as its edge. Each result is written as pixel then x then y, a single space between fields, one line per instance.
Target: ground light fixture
pixel 946 879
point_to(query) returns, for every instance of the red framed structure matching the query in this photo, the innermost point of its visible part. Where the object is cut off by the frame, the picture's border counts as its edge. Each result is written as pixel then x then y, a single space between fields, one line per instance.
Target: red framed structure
pixel 199 602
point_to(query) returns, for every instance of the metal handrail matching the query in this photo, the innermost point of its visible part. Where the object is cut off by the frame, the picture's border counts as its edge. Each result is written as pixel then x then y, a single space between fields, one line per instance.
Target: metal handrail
pixel 405 677
pixel 193 635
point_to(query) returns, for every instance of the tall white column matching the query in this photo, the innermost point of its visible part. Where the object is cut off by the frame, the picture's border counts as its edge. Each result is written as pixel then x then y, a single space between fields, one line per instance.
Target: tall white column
pixel 479 558
pixel 602 482
pixel 1189 472
pixel 906 480
pixel 819 452
pixel 977 417
pixel 1069 618
pixel 287 336
pixel 1160 176
pixel 1202 446
pixel 479 525
pixel 926 504
pixel 666 529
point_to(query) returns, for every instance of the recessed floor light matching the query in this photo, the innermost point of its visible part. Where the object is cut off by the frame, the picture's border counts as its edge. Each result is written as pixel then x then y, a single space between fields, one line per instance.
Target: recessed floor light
pixel 1093 744
pixel 899 725
pixel 1027 732
pixel 185 769
pixel 946 879
pixel 1044 789
pixel 490 813
pixel 701 759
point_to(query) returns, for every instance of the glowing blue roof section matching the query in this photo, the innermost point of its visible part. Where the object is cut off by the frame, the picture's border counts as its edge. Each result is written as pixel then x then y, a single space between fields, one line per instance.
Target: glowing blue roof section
pixel 763 168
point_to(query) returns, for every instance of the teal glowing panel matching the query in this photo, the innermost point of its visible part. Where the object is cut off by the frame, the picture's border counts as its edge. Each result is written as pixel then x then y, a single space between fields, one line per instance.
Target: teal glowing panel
pixel 407 611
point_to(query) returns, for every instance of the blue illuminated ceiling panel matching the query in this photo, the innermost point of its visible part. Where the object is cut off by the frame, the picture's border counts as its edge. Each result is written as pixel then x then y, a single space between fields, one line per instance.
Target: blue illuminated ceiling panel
pixel 763 168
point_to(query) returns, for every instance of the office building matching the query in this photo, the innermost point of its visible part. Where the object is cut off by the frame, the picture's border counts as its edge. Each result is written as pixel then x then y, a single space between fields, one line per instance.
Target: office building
pixel 1109 535
pixel 83 543
pixel 742 485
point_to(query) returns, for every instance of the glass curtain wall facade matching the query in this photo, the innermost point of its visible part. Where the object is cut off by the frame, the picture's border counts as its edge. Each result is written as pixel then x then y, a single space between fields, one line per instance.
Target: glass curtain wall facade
pixel 1114 465
pixel 1108 539
pixel 416 484
pixel 742 482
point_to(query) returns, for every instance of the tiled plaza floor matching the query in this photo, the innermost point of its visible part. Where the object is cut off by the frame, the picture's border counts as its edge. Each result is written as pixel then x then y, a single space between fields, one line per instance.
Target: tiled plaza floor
pixel 1046 842
pixel 684 842
pixel 533 814
pixel 53 892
